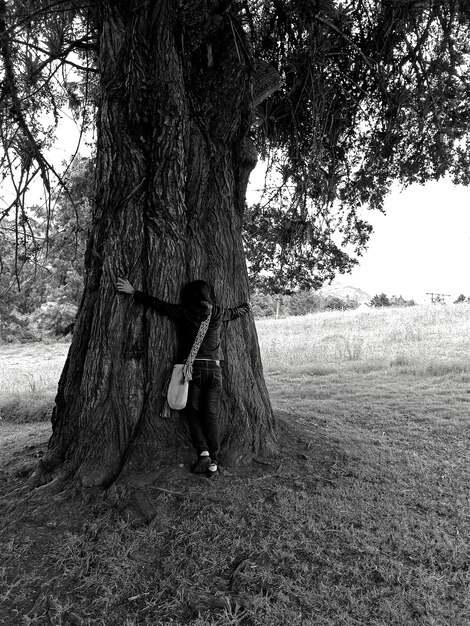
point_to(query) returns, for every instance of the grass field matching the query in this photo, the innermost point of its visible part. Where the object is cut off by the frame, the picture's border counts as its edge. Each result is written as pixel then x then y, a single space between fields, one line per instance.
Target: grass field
pixel 363 520
pixel 29 375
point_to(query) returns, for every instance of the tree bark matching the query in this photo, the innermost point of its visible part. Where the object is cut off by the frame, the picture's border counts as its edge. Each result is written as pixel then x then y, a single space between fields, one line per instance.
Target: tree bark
pixel 173 163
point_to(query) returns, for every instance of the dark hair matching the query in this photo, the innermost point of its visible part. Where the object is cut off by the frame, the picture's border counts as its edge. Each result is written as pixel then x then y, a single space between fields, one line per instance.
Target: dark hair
pixel 195 295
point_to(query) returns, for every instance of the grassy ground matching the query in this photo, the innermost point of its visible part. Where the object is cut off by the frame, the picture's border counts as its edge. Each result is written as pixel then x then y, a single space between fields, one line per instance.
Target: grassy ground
pixel 29 374
pixel 364 519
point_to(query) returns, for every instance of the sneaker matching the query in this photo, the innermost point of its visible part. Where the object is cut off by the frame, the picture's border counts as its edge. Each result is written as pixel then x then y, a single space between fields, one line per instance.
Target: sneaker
pixel 211 469
pixel 202 465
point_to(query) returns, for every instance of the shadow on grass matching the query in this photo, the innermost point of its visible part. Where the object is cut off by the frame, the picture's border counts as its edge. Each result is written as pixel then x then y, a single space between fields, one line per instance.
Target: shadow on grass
pixel 317 535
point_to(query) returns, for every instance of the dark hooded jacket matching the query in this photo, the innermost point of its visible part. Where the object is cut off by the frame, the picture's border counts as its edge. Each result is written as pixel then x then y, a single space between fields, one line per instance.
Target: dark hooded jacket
pixel 188 320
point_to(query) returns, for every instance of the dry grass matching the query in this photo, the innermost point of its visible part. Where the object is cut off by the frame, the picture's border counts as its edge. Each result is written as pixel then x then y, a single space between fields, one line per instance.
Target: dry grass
pixel 29 374
pixel 418 337
pixel 363 520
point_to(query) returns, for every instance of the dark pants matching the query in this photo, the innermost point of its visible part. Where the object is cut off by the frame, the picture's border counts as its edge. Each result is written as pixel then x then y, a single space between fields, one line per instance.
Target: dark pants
pixel 202 407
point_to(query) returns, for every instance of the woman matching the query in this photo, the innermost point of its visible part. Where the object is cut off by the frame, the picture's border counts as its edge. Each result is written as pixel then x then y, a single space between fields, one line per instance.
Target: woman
pixel 198 302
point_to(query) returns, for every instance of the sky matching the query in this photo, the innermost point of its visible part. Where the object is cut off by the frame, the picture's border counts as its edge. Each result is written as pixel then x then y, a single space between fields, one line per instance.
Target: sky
pixel 421 244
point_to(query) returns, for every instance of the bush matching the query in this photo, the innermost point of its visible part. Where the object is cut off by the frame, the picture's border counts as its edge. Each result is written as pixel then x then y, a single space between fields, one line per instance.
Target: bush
pixel 263 305
pixel 56 318
pixel 15 326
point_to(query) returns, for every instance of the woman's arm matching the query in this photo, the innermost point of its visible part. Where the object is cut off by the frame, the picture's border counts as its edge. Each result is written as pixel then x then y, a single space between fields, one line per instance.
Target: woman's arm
pixel 172 310
pixel 238 311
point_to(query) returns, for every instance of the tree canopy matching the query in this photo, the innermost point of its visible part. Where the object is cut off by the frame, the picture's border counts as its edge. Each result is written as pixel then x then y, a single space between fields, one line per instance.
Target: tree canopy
pixel 373 91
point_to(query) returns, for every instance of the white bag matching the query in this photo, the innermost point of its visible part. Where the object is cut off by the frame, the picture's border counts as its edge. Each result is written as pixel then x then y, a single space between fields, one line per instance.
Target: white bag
pixel 177 394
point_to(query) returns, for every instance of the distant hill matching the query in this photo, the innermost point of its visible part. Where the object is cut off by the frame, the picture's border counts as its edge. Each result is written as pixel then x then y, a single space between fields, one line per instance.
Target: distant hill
pixel 346 291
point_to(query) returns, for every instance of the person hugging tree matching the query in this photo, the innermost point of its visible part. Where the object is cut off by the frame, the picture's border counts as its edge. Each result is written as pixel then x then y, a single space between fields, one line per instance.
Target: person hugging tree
pixel 198 303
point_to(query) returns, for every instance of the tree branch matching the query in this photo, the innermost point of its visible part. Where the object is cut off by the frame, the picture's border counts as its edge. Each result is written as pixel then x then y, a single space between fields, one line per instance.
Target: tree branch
pixel 30 15
pixel 266 80
pixel 75 45
pixel 10 86
pixel 339 32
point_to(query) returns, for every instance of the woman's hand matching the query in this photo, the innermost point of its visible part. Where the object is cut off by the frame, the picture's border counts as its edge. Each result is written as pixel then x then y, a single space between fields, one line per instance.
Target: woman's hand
pixel 124 285
pixel 245 308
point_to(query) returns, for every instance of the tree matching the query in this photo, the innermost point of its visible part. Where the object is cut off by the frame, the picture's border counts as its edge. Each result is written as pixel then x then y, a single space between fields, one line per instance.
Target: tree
pixel 400 301
pixel 48 267
pixel 344 97
pixel 263 305
pixel 304 302
pixel 172 167
pixel 380 300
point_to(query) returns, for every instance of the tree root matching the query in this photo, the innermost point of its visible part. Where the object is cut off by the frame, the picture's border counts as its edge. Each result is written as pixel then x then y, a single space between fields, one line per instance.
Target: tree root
pixel 38 478
pixel 54 486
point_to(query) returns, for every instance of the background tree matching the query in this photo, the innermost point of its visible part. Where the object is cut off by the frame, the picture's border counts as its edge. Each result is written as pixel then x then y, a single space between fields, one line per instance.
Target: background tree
pixel 401 301
pixel 42 279
pixel 380 300
pixel 263 305
pixel 383 300
pixel 340 98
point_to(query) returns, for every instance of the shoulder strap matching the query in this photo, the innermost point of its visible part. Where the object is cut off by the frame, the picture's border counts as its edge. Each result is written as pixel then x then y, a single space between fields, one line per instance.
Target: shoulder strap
pixel 201 333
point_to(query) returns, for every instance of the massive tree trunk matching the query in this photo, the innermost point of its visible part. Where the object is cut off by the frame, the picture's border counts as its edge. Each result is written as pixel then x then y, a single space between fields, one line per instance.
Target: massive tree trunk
pixel 173 163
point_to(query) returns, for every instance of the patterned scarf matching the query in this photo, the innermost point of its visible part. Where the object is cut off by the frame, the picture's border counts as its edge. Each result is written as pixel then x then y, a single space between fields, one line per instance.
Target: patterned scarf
pixel 188 366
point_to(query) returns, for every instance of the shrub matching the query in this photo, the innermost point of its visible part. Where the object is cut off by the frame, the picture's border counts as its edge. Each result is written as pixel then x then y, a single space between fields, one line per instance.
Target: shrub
pixel 56 318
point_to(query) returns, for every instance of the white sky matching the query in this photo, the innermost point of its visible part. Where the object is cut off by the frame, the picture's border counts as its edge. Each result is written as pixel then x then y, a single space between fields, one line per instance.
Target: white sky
pixel 421 244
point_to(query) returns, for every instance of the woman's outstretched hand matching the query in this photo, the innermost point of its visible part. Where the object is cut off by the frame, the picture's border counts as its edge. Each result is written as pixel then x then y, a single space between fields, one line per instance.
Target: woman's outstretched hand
pixel 124 285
